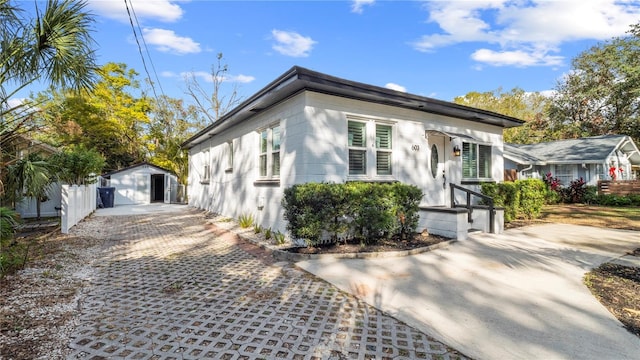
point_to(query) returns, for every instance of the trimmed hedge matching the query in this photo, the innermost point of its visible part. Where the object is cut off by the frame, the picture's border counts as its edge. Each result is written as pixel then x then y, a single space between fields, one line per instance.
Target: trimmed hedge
pixel 365 211
pixel 520 198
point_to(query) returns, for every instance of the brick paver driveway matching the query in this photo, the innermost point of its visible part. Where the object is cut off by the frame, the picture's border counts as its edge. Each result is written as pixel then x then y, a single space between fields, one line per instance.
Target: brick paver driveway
pixel 171 286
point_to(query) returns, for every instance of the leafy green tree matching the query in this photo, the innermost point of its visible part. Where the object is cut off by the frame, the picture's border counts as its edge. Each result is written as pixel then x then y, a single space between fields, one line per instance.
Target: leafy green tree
pixel 172 122
pixel 532 107
pixel 601 93
pixel 110 118
pixel 77 165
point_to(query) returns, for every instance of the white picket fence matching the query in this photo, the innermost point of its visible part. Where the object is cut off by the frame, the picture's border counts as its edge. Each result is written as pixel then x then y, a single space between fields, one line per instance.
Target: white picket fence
pixel 77 203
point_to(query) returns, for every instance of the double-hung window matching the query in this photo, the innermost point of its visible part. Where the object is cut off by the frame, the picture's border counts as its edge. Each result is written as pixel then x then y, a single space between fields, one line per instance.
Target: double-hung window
pixel 476 161
pixel 565 173
pixel 269 155
pixel 370 148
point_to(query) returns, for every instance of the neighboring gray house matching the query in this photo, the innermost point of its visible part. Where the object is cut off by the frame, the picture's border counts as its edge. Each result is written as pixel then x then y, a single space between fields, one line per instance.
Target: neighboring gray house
pixel 306 126
pixel 592 159
pixel 142 183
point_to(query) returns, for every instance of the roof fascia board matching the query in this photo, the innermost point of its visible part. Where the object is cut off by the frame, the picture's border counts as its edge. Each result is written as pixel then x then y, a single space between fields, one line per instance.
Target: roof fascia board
pixel 299 79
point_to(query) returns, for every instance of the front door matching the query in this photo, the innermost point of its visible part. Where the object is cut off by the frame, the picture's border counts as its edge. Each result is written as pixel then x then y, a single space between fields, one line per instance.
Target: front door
pixel 437 183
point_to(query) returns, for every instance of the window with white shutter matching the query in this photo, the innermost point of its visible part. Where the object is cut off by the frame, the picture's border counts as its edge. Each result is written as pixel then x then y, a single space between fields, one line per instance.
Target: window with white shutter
pixel 476 161
pixel 370 148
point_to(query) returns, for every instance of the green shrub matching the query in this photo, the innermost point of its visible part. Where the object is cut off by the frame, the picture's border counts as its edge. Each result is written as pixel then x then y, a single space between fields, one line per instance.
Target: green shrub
pixel 245 220
pixel 367 211
pixel 532 198
pixel 257 229
pixel 267 233
pixel 520 198
pixel 590 195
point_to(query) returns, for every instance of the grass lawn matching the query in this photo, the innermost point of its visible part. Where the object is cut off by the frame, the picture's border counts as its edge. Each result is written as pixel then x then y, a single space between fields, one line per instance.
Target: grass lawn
pixel 627 218
pixel 617 287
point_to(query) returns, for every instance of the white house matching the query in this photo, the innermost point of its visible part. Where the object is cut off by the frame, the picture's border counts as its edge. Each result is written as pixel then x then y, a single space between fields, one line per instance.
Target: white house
pixel 593 158
pixel 142 183
pixel 306 126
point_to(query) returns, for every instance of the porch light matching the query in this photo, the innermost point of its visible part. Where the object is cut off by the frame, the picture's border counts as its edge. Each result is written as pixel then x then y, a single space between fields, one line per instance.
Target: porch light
pixel 456 150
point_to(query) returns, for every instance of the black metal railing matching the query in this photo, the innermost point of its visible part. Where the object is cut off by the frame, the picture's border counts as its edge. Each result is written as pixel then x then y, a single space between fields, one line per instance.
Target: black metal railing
pixel 469 206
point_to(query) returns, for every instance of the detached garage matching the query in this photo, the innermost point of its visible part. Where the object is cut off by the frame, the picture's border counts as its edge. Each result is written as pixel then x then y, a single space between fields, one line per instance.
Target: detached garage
pixel 142 183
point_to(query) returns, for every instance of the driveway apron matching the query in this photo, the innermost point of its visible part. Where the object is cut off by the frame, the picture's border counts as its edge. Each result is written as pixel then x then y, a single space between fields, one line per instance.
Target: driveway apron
pixel 171 286
pixel 517 295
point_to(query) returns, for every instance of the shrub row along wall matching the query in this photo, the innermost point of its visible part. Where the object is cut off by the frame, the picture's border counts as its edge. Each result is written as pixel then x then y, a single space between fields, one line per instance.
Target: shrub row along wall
pixel 366 211
pixel 619 187
pixel 520 198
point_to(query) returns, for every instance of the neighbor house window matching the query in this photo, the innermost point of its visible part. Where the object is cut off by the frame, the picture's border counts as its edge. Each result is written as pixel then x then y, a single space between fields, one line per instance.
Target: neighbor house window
pixel 374 160
pixel 269 157
pixel 565 174
pixel 476 161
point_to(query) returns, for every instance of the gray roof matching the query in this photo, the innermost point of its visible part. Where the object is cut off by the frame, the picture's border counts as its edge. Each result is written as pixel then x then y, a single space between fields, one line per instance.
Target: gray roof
pixel 594 149
pixel 299 79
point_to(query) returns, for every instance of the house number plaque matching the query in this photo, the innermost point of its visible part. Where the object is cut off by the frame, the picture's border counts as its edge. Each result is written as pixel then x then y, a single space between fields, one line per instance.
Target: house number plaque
pixel 415 147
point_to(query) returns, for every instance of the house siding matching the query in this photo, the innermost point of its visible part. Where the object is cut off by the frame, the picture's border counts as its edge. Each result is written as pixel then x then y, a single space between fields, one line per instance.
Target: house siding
pixel 314 149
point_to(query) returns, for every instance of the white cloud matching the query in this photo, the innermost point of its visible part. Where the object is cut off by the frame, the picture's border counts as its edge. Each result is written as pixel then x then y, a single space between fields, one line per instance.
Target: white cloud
pixel 396 87
pixel 290 43
pixel 169 74
pixel 161 10
pixel 168 41
pixel 515 58
pixel 357 6
pixel 525 33
pixel 208 77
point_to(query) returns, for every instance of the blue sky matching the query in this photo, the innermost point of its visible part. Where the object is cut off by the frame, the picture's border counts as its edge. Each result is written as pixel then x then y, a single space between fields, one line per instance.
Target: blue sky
pixel 440 49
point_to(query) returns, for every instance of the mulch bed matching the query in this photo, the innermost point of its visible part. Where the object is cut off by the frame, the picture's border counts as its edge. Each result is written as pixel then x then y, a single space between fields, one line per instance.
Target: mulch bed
pixel 355 246
pixel 617 287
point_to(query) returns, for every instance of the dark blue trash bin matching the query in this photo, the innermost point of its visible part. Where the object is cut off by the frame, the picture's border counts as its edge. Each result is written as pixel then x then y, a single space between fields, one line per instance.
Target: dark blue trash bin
pixel 107 195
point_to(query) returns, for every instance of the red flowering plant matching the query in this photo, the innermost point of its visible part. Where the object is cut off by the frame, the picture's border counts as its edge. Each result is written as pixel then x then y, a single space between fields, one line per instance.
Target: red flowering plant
pixel 552 182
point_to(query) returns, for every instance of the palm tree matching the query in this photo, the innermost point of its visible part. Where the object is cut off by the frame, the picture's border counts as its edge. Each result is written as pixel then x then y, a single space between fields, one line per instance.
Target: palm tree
pixel 31 177
pixel 55 46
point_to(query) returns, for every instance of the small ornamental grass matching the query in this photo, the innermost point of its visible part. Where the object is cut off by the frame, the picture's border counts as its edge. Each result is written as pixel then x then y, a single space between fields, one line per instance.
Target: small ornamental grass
pixel 246 221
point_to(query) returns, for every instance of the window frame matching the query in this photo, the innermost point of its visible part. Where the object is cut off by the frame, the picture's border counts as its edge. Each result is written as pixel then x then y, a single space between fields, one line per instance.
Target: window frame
pixel 471 148
pixel 267 154
pixel 371 147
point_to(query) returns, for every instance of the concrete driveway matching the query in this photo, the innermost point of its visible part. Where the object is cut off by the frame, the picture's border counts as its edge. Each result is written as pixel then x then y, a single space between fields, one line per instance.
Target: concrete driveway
pixel 517 295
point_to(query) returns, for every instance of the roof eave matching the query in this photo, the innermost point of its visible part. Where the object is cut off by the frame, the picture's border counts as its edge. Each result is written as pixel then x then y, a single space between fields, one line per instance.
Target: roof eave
pixel 299 79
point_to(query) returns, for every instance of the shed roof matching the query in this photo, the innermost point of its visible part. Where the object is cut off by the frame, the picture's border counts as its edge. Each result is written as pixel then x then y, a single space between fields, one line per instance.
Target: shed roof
pixel 298 79
pixel 145 163
pixel 594 149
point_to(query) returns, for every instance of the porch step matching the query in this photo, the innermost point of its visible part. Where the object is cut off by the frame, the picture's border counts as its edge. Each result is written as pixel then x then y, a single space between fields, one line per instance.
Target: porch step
pixel 472 231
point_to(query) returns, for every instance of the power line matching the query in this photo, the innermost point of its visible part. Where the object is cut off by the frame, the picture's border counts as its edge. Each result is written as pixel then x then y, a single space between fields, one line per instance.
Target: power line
pixel 144 63
pixel 146 48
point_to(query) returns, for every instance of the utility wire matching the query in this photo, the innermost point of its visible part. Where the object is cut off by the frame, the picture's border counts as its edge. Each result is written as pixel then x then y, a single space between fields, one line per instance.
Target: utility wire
pixel 146 48
pixel 144 63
